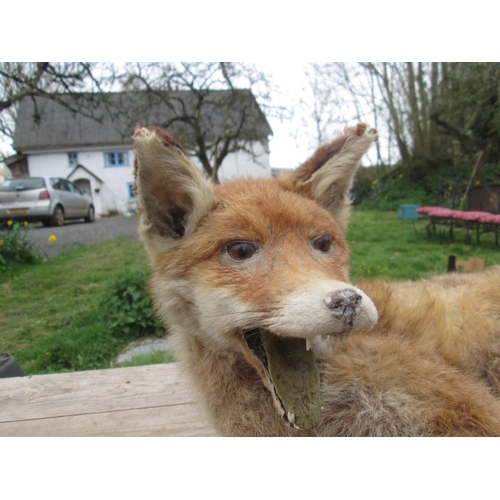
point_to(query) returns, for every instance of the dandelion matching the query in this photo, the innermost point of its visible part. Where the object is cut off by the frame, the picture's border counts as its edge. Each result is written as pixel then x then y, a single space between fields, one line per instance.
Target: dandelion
pixel 9 223
pixel 25 222
pixel 52 238
pixel 1 243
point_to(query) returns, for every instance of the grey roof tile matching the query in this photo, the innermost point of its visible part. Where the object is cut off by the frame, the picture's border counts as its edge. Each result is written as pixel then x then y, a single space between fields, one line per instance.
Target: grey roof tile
pixel 110 119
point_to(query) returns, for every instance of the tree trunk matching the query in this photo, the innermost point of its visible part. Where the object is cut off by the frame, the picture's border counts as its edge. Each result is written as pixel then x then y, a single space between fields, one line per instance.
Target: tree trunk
pixel 477 173
pixel 414 112
pixel 434 139
pixel 424 110
pixel 396 125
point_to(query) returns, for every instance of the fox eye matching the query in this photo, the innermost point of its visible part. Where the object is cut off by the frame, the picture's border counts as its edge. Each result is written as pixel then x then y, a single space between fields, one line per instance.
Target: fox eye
pixel 241 250
pixel 323 243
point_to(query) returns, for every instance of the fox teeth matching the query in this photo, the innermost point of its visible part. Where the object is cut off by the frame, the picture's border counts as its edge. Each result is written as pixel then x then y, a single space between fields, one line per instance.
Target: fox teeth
pixel 296 427
pixel 324 338
pixel 291 417
pixel 308 344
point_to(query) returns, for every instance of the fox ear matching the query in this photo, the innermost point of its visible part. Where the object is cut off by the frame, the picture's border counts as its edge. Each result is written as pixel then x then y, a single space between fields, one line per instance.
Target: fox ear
pixel 328 175
pixel 172 196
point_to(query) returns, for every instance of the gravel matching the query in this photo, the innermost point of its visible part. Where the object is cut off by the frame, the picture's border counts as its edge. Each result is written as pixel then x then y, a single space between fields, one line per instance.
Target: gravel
pixel 75 233
pixel 143 346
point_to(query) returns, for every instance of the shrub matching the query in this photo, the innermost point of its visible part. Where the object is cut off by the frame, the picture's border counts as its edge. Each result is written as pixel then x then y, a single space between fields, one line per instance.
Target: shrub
pixel 389 193
pixel 16 247
pixel 128 307
pixel 420 182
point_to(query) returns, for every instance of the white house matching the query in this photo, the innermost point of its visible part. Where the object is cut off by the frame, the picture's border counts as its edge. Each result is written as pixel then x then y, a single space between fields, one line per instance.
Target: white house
pixel 94 150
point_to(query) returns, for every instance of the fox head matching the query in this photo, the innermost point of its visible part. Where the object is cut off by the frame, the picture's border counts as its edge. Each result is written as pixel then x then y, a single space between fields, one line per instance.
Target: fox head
pixel 258 266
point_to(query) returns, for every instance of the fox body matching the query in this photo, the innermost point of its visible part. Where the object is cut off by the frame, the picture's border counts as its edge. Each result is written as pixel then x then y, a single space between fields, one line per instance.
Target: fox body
pixel 252 279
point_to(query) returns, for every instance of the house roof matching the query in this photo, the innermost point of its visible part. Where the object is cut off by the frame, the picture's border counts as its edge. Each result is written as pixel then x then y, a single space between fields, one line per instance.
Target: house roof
pixel 110 119
pixel 78 167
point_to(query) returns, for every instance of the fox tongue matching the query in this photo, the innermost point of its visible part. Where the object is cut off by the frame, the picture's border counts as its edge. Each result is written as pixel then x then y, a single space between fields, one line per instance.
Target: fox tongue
pixel 293 372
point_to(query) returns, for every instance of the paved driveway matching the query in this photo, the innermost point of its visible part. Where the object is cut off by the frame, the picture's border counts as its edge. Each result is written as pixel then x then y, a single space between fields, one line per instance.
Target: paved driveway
pixel 80 233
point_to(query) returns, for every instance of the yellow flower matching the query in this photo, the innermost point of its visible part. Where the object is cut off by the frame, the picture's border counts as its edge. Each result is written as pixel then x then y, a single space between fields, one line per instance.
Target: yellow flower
pixel 1 243
pixel 25 222
pixel 9 223
pixel 52 238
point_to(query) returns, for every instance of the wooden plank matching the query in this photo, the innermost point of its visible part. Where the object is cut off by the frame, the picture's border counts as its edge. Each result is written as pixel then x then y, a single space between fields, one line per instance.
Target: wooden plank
pixel 150 400
pixel 66 394
pixel 180 420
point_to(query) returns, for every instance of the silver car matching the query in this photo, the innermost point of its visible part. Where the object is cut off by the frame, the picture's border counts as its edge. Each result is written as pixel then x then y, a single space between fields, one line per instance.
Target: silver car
pixel 51 200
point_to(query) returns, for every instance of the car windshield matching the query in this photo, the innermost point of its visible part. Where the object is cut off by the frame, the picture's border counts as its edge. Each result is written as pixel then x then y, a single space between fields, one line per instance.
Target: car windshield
pixel 22 184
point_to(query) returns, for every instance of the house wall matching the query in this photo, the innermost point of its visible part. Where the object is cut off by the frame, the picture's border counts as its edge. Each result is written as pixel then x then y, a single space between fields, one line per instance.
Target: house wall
pixel 113 192
pixel 110 194
pixel 243 164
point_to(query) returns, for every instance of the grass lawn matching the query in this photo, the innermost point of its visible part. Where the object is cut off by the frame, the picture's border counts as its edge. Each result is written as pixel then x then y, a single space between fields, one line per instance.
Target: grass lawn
pixel 53 315
pixel 384 247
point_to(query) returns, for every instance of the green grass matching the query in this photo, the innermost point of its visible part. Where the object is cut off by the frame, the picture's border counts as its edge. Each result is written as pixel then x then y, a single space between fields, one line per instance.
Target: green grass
pixel 64 315
pixel 384 247
pixel 52 314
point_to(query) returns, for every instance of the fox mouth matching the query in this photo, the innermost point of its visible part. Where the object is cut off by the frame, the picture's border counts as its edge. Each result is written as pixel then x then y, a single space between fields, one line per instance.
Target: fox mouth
pixel 290 372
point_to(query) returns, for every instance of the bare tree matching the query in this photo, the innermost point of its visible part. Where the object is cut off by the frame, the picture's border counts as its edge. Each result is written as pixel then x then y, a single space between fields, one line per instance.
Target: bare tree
pixel 427 108
pixel 20 80
pixel 320 115
pixel 210 107
pixel 341 94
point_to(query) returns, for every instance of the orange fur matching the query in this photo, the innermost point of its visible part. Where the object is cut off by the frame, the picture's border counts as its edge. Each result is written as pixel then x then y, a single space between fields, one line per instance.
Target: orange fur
pixel 429 366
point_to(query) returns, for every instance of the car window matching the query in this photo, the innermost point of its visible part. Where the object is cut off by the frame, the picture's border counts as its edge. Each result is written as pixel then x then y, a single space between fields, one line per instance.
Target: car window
pixel 59 184
pixel 22 184
pixel 65 185
pixel 73 188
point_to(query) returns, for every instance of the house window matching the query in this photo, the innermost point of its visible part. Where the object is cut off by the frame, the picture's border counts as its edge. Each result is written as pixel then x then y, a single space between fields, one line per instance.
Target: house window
pixel 116 159
pixel 130 191
pixel 72 159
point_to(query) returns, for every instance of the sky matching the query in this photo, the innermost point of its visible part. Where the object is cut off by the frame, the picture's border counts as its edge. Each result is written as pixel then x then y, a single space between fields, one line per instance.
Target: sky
pixel 291 143
pixel 286 151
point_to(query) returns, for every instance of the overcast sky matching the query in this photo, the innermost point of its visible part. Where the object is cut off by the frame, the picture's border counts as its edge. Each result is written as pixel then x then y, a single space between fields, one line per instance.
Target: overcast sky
pixel 286 151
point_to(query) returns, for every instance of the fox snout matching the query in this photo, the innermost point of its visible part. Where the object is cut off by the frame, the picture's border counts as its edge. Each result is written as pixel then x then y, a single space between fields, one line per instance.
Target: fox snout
pixel 324 307
pixel 344 305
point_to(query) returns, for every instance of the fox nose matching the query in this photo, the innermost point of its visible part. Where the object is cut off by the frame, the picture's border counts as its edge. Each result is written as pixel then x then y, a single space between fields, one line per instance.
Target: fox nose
pixel 342 299
pixel 342 304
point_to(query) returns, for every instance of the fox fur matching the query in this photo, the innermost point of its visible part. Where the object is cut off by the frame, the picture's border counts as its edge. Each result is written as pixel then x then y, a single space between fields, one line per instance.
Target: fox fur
pixel 394 359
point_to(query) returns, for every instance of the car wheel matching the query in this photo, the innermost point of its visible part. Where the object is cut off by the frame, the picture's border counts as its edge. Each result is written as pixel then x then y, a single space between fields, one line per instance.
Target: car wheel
pixel 57 218
pixel 91 215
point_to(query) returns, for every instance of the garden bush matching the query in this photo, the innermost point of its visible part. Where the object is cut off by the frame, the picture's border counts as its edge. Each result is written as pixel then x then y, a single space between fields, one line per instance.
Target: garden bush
pixel 128 306
pixel 378 188
pixel 16 247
